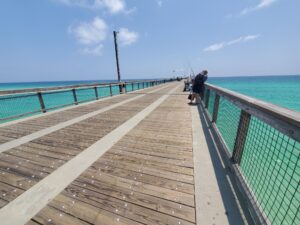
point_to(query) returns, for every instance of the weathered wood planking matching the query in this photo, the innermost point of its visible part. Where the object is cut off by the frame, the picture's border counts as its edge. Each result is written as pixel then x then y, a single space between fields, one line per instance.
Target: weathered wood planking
pixel 139 180
pixel 25 165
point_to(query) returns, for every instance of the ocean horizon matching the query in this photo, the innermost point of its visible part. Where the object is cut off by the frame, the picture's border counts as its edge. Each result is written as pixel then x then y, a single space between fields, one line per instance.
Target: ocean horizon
pixel 279 90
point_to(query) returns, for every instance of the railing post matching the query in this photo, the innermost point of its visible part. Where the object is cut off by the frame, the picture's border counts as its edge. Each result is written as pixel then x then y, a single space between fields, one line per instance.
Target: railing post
pixel 216 109
pixel 96 93
pixel 41 100
pixel 120 88
pixel 110 90
pixel 75 96
pixel 207 98
pixel 139 86
pixel 241 137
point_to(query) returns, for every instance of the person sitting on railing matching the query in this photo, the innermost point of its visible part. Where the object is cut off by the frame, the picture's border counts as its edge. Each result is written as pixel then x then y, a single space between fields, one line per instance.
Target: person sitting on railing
pixel 198 86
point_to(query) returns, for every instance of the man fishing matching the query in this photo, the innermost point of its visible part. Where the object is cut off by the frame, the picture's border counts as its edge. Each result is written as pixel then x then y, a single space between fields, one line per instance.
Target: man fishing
pixel 198 86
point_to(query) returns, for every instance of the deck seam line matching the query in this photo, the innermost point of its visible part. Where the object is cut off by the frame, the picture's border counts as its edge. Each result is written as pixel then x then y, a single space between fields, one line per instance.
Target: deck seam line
pixel 28 204
pixel 25 139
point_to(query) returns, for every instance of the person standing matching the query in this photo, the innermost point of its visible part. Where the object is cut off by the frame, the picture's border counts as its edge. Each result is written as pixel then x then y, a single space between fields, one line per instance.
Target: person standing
pixel 198 86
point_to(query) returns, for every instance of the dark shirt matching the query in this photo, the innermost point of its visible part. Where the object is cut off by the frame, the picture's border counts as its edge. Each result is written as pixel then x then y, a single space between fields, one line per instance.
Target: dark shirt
pixel 200 79
pixel 199 83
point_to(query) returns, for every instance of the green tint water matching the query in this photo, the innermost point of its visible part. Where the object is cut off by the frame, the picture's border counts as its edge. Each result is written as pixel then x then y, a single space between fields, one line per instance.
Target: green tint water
pixel 279 90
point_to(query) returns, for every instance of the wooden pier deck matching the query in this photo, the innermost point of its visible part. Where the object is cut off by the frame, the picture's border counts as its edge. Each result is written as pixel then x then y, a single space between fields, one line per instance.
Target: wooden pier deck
pixel 127 159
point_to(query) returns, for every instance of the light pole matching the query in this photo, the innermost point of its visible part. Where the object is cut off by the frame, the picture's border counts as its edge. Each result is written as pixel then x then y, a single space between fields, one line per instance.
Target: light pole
pixel 117 55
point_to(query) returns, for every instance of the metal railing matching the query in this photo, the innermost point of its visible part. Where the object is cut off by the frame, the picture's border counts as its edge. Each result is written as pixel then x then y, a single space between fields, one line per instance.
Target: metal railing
pixel 262 143
pixel 16 104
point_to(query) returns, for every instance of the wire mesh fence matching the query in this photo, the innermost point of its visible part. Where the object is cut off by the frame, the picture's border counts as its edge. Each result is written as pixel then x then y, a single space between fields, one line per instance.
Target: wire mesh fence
pixel 115 89
pixel 211 103
pixel 19 105
pixel 271 167
pixel 269 160
pixel 228 121
pixel 85 94
pixel 58 99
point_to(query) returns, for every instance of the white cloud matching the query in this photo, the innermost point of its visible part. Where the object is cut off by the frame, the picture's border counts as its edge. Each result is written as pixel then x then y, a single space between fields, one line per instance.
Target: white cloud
pixel 90 33
pixel 159 3
pixel 93 50
pixel 262 4
pixel 127 37
pixel 219 46
pixel 113 6
pixel 265 3
pixel 214 47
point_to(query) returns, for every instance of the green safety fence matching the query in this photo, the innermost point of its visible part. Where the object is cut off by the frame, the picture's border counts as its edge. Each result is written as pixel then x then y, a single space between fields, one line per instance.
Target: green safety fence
pixel 269 160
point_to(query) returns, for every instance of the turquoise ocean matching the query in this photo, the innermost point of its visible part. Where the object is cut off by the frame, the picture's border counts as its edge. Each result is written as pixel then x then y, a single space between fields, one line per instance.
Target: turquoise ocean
pixel 280 90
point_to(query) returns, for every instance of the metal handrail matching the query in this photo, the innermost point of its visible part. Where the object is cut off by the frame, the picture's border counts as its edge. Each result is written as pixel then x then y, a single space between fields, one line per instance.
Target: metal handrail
pixel 40 92
pixel 281 119
pixel 34 90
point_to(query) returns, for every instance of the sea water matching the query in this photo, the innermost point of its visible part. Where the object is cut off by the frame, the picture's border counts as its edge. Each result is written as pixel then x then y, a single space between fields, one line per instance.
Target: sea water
pixel 280 90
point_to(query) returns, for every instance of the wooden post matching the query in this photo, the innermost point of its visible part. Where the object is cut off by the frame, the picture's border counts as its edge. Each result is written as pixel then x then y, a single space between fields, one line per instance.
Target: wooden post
pixel 241 137
pixel 207 98
pixel 110 90
pixel 121 88
pixel 75 96
pixel 41 100
pixel 216 109
pixel 96 93
pixel 138 86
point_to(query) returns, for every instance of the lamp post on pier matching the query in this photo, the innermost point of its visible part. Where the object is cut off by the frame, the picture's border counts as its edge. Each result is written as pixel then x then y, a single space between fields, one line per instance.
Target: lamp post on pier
pixel 117 55
pixel 121 86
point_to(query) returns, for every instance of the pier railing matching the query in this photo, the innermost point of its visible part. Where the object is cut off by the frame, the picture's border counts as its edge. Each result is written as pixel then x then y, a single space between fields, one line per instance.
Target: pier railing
pixel 16 104
pixel 262 143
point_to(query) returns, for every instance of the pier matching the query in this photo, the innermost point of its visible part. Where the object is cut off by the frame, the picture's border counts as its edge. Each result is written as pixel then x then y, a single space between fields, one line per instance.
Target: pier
pixel 139 154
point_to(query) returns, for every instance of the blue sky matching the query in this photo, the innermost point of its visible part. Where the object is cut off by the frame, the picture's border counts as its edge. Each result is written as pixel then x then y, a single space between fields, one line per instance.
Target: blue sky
pixel 44 40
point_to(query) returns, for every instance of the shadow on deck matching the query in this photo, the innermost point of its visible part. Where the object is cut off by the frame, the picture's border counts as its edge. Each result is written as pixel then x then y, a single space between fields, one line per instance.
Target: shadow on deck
pixel 218 199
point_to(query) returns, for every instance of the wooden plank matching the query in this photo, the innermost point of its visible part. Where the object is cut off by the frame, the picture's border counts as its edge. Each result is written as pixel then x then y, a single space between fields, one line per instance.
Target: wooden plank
pixel 142 177
pixel 141 199
pixel 50 215
pixel 179 161
pixel 31 222
pixel 148 163
pixel 8 193
pixel 148 150
pixel 149 189
pixel 121 208
pixel 149 170
pixel 88 213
